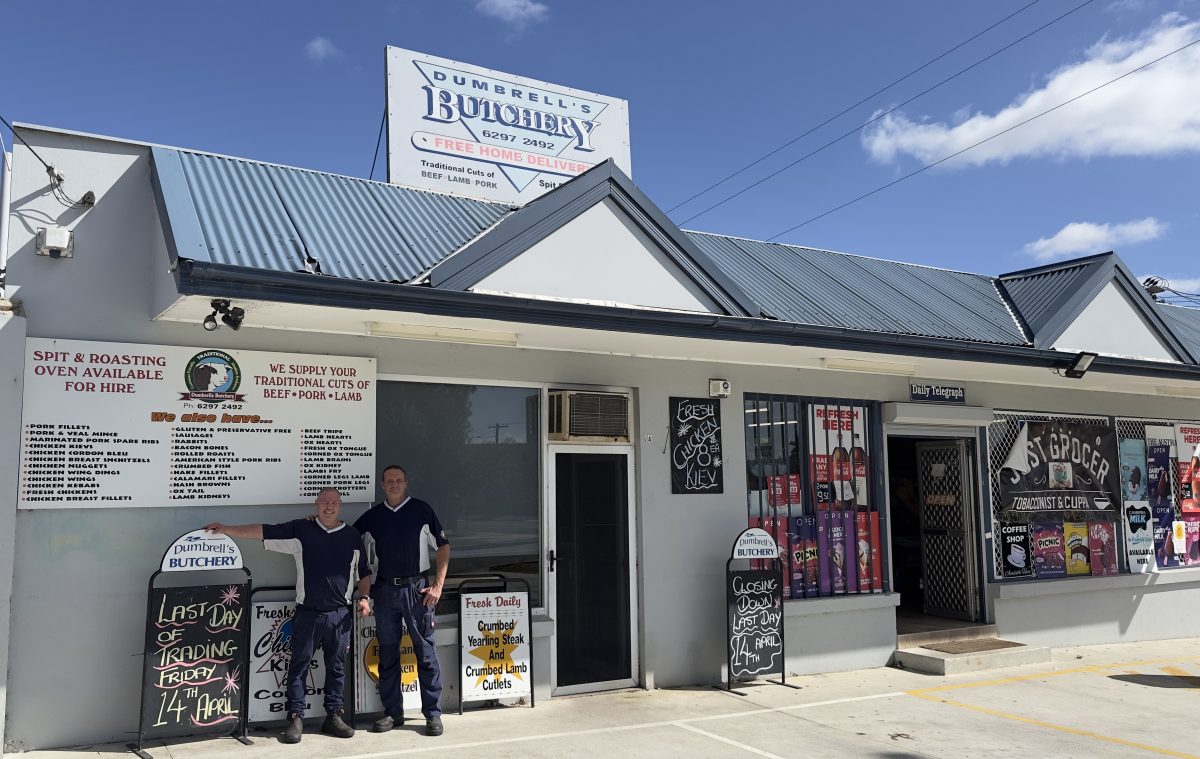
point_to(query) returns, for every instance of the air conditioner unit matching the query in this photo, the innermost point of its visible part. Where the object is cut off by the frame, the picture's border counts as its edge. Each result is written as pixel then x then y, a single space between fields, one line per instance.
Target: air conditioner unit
pixel 589 417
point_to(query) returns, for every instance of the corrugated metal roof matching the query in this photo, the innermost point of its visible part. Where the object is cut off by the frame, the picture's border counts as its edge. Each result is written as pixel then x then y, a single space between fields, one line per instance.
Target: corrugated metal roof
pixel 285 219
pixel 1040 294
pixel 1184 323
pixel 813 286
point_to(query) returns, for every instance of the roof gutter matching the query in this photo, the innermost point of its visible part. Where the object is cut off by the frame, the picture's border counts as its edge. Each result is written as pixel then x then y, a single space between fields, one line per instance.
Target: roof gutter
pixel 222 280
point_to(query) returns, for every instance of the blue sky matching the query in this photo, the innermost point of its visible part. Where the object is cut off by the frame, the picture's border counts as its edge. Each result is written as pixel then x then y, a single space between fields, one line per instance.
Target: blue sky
pixel 711 87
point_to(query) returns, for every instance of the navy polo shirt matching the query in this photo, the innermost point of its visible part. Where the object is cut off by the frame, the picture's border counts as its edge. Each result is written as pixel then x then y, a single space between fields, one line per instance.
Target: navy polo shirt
pixel 329 563
pixel 404 538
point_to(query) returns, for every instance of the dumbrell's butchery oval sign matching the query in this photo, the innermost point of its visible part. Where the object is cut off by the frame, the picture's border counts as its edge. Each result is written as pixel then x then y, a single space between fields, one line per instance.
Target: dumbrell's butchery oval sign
pixel 200 549
pixel 485 134
pixel 1061 466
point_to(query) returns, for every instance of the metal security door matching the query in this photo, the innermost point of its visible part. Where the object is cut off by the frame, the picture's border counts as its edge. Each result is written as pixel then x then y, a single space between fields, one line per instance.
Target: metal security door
pixel 947 534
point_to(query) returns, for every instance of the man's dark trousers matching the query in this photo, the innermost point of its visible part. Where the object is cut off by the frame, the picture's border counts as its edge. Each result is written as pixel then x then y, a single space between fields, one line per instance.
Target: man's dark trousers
pixel 404 604
pixel 331 631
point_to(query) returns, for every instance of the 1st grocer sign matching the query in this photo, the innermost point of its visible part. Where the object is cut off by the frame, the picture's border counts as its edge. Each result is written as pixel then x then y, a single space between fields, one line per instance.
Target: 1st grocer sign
pixel 931 392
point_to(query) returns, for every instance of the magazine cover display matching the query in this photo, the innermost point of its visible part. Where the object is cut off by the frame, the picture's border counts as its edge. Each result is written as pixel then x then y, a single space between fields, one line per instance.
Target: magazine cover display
pixel 1049 557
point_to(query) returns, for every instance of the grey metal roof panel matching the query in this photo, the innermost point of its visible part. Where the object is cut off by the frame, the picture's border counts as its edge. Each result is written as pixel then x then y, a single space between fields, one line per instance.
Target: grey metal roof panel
pixel 813 286
pixel 1184 323
pixel 241 216
pixel 1040 294
pixel 286 219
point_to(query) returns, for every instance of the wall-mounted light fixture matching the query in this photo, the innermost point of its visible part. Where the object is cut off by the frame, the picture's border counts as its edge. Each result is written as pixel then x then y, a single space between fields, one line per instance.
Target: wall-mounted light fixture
pixel 231 316
pixel 1080 364
pixel 55 242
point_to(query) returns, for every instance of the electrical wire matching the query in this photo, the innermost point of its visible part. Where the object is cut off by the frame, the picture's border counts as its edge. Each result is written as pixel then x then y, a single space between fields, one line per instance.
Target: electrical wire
pixel 378 140
pixel 849 108
pixel 928 166
pixel 56 176
pixel 882 114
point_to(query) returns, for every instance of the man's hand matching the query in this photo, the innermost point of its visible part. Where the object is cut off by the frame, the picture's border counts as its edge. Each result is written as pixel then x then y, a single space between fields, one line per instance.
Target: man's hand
pixel 216 527
pixel 433 594
pixel 364 607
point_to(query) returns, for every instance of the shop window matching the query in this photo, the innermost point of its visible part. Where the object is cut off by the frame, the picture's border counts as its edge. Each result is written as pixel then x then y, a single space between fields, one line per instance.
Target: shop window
pixel 1159 474
pixel 1063 517
pixel 472 452
pixel 811 479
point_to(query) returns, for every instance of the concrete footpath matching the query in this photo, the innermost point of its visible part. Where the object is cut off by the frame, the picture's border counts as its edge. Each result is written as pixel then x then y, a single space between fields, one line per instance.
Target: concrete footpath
pixel 1128 700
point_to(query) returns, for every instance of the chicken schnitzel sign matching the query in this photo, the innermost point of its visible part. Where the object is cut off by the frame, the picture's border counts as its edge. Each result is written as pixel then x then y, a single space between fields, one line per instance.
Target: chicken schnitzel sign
pixel 121 425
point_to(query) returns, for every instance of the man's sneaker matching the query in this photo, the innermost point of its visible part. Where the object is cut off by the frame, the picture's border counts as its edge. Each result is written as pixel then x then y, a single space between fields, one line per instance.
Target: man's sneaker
pixel 433 725
pixel 294 729
pixel 336 726
pixel 387 722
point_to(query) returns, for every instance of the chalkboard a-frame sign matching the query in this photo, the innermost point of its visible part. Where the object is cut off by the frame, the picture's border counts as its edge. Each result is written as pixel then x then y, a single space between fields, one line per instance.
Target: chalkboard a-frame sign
pixel 754 604
pixel 196 656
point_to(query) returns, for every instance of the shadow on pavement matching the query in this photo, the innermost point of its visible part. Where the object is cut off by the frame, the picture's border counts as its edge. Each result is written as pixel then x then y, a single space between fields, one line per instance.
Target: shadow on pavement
pixel 1160 681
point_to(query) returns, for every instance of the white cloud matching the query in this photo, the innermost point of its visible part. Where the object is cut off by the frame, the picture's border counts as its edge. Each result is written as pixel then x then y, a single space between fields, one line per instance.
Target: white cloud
pixel 1154 112
pixel 1085 238
pixel 320 49
pixel 518 14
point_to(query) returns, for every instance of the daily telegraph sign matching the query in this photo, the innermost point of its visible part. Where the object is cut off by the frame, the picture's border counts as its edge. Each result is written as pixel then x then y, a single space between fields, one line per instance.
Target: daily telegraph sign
pixel 485 134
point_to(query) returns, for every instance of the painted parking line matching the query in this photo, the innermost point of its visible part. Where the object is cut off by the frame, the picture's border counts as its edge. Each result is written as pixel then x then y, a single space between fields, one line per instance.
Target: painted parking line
pixel 1053 726
pixel 684 723
pixel 727 741
pixel 1092 668
pixel 934 695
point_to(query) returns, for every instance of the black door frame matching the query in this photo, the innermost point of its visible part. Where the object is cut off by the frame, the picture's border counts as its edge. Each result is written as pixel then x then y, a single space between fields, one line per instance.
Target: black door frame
pixel 634 584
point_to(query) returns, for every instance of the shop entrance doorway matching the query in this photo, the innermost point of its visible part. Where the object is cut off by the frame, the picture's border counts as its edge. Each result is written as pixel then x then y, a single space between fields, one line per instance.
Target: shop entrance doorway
pixel 933 516
pixel 590 570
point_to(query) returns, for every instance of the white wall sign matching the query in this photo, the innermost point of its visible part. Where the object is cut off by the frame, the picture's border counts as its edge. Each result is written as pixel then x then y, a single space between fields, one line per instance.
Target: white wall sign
pixel 755 543
pixel 467 130
pixel 270 655
pixel 366 678
pixel 200 550
pixel 494 632
pixel 116 424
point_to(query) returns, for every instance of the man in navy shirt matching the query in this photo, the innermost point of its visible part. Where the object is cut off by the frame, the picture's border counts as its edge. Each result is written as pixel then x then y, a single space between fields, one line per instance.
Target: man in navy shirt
pixel 330 561
pixel 404 532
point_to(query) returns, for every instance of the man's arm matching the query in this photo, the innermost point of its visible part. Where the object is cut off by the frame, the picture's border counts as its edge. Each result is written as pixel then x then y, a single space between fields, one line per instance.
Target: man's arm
pixel 442 561
pixel 246 531
pixel 364 596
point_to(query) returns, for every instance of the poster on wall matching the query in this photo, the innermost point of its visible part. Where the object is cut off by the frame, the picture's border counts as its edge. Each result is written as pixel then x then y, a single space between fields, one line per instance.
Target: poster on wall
pixel 1160 455
pixel 838 461
pixel 695 443
pixel 1061 466
pixel 1079 558
pixel 1102 548
pixel 270 655
pixel 468 130
pixel 1016 549
pixel 1139 537
pixel 1187 445
pixel 1133 470
pixel 116 424
pixel 1049 551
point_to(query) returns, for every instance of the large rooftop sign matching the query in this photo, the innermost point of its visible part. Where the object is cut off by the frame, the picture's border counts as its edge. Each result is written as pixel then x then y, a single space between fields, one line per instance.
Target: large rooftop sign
pixel 493 136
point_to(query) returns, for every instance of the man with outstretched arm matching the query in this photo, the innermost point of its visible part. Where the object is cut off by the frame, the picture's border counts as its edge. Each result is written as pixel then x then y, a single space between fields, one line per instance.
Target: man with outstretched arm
pixel 330 562
pixel 404 532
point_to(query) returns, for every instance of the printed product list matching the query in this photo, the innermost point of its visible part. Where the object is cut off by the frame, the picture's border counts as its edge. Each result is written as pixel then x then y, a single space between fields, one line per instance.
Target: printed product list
pixel 113 424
